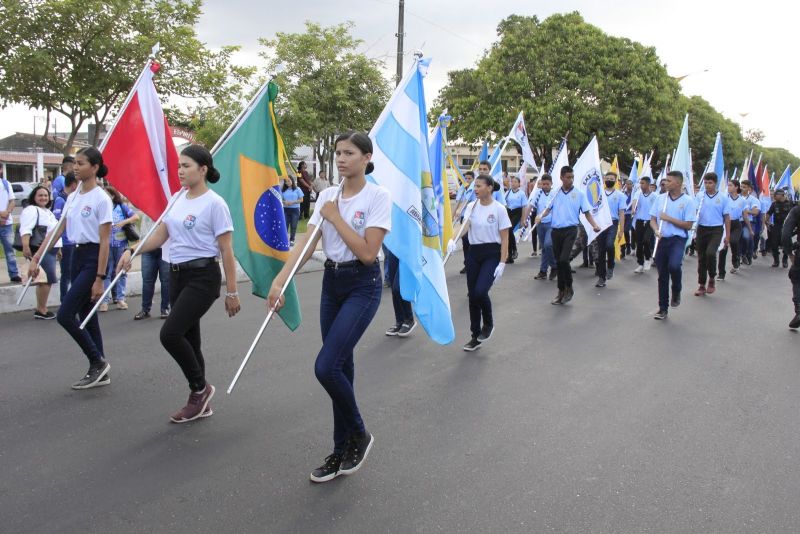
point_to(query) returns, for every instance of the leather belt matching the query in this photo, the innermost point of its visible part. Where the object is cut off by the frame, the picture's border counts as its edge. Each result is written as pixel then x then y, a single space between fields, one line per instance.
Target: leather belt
pixel 330 264
pixel 192 264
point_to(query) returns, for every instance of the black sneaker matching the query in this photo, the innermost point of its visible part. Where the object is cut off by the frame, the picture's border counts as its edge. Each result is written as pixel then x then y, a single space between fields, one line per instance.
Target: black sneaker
pixel 47 316
pixel 463 271
pixel 568 294
pixel 472 345
pixel 676 300
pixel 96 376
pixel 609 273
pixel 486 333
pixel 600 283
pixel 553 275
pixel 406 328
pixel 143 314
pixel 542 275
pixel 394 329
pixel 327 471
pixel 358 448
pixel 661 315
pixel 16 279
pixel 785 262
pixel 509 260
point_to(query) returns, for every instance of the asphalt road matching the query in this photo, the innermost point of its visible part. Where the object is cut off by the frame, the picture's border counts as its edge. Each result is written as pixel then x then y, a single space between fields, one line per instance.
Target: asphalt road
pixel 591 417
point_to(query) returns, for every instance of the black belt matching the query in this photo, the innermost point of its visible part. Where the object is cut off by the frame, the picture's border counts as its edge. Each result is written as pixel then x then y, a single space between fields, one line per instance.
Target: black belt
pixel 330 264
pixel 192 264
pixel 87 245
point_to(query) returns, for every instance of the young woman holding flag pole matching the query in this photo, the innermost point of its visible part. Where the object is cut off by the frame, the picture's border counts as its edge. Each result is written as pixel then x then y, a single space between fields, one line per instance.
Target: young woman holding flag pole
pixel 352 221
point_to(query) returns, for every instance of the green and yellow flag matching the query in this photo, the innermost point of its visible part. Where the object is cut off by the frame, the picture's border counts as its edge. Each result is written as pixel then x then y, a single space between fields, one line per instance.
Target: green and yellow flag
pixel 251 162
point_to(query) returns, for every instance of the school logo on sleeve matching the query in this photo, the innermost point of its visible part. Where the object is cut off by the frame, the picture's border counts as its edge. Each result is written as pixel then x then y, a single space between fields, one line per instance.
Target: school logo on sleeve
pixel 86 211
pixel 359 220
pixel 189 222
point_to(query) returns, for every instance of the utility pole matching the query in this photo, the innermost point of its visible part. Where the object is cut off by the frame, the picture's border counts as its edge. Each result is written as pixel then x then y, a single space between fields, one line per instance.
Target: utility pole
pixel 399 35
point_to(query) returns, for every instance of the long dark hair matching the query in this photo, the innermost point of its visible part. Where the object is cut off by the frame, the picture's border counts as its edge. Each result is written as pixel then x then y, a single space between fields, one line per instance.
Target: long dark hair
pixel 362 143
pixel 32 197
pixel 116 197
pixel 203 158
pixel 294 184
pixel 489 181
pixel 94 157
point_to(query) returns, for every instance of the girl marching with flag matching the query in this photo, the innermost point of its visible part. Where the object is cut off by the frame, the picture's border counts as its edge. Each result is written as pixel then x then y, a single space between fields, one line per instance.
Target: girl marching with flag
pixel 488 225
pixel 199 229
pixel 353 226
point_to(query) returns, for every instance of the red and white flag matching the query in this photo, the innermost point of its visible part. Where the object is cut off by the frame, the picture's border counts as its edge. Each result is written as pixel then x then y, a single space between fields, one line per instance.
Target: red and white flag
pixel 139 152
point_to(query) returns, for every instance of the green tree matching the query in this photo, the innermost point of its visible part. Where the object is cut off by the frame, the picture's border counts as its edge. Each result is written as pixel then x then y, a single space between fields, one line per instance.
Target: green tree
pixel 326 87
pixel 79 58
pixel 567 76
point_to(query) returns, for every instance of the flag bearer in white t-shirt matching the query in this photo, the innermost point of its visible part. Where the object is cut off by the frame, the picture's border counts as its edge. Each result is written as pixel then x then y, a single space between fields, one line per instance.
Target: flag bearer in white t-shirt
pixel 89 227
pixel 200 229
pixel 488 226
pixel 353 227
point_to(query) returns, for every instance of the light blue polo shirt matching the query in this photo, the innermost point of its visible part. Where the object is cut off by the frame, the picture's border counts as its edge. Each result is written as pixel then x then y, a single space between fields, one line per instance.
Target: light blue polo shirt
pixel 682 208
pixel 539 200
pixel 290 195
pixel 736 207
pixel 515 200
pixel 751 203
pixel 466 198
pixel 628 202
pixel 567 207
pixel 713 210
pixel 643 206
pixel 616 201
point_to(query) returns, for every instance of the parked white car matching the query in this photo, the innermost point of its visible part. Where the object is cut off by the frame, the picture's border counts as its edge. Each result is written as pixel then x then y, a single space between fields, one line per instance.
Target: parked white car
pixel 21 192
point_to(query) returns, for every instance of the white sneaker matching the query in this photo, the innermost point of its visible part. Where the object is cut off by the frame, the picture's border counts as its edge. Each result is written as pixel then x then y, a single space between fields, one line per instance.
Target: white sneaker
pixel 639 270
pixel 647 264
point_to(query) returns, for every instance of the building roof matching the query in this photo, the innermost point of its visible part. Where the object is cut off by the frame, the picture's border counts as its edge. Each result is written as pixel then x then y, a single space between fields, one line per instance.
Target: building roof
pixel 29 158
pixel 25 142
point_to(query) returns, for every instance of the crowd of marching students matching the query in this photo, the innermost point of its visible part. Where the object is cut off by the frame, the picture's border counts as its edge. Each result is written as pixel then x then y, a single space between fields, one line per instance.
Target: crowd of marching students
pixel 353 220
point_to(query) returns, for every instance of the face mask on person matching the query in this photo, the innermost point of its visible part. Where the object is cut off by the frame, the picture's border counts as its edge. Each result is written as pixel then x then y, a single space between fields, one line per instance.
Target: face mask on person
pixel 609 183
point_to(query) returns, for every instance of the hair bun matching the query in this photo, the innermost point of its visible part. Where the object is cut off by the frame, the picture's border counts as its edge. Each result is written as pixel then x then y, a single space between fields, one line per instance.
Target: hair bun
pixel 496 186
pixel 370 168
pixel 102 171
pixel 212 175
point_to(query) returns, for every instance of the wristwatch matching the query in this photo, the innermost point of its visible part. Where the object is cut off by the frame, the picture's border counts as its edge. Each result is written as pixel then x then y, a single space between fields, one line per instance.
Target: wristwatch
pixel 101 276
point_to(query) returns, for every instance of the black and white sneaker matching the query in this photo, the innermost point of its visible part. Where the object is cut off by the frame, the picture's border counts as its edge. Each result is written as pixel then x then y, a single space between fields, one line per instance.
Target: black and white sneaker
pixel 327 471
pixel 96 376
pixel 609 273
pixel 661 315
pixel 394 329
pixel 486 333
pixel 406 328
pixel 472 345
pixel 358 448
pixel 47 316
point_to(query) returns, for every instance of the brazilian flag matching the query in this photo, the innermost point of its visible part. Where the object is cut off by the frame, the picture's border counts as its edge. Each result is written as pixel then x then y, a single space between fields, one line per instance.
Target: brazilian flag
pixel 251 162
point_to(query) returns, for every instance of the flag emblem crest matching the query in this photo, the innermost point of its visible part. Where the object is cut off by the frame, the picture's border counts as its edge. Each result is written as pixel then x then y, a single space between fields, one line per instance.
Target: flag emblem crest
pixel 491 219
pixel 86 211
pixel 359 220
pixel 189 222
pixel 591 183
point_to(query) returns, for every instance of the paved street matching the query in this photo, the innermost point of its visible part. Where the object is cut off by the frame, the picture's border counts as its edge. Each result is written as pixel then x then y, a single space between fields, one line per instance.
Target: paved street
pixel 591 417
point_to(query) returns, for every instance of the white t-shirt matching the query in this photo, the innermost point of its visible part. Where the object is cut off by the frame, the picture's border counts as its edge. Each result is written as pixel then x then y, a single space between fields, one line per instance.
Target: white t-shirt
pixel 87 211
pixel 27 220
pixel 6 196
pixel 370 208
pixel 485 223
pixel 195 224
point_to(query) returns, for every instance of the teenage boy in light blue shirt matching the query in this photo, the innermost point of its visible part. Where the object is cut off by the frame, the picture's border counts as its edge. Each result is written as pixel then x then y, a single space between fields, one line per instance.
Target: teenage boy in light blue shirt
pixel 607 239
pixel 713 220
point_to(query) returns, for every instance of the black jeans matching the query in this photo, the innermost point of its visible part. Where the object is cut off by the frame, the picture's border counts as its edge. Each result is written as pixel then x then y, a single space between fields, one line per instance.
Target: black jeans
pixel 644 237
pixel 515 215
pixel 794 276
pixel 465 247
pixel 625 249
pixel 191 294
pixel 481 264
pixel 707 243
pixel 606 249
pixel 736 235
pixel 563 239
pixel 774 242
pixel 78 303
pixel 403 312
pixel 305 205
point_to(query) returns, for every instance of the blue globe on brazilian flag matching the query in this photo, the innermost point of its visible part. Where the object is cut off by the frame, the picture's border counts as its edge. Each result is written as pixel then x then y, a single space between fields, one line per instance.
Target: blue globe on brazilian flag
pixel 251 161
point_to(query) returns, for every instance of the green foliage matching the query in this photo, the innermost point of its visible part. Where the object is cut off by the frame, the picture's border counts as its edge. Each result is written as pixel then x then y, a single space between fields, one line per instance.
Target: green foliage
pixel 778 159
pixel 326 88
pixel 80 58
pixel 704 123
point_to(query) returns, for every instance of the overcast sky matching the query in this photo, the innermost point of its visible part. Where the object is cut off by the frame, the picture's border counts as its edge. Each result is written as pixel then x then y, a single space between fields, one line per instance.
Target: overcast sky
pixel 750 48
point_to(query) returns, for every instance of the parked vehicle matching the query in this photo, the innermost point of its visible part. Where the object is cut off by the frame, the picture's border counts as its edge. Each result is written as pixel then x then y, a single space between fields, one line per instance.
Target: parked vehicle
pixel 21 192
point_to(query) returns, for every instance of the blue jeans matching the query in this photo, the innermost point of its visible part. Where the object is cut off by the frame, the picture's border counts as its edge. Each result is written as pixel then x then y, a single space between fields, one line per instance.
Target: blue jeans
pixel 482 260
pixel 7 239
pixel 545 234
pixel 350 297
pixel 668 260
pixel 77 303
pixel 292 218
pixel 746 242
pixel 154 267
pixel 403 312
pixel 605 249
pixel 66 269
pixel 114 254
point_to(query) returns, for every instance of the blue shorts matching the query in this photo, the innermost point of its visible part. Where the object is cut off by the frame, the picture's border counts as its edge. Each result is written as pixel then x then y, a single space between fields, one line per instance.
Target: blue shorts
pixel 48 265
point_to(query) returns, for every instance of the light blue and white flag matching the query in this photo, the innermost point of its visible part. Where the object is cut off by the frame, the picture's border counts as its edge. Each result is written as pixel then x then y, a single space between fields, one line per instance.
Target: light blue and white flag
pixel 717 162
pixel 402 165
pixel 786 183
pixel 682 161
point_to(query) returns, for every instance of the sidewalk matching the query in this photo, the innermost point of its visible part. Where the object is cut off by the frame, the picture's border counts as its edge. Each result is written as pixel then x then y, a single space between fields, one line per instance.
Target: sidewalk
pixel 10 292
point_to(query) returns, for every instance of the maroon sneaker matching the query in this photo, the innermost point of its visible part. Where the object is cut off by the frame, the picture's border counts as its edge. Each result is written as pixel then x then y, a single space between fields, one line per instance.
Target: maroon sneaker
pixel 711 287
pixel 701 291
pixel 195 407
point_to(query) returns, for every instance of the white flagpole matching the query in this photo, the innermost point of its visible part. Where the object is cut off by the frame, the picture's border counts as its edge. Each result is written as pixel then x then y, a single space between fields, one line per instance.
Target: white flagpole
pixel 67 207
pixel 467 215
pixel 271 312
pixel 135 253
